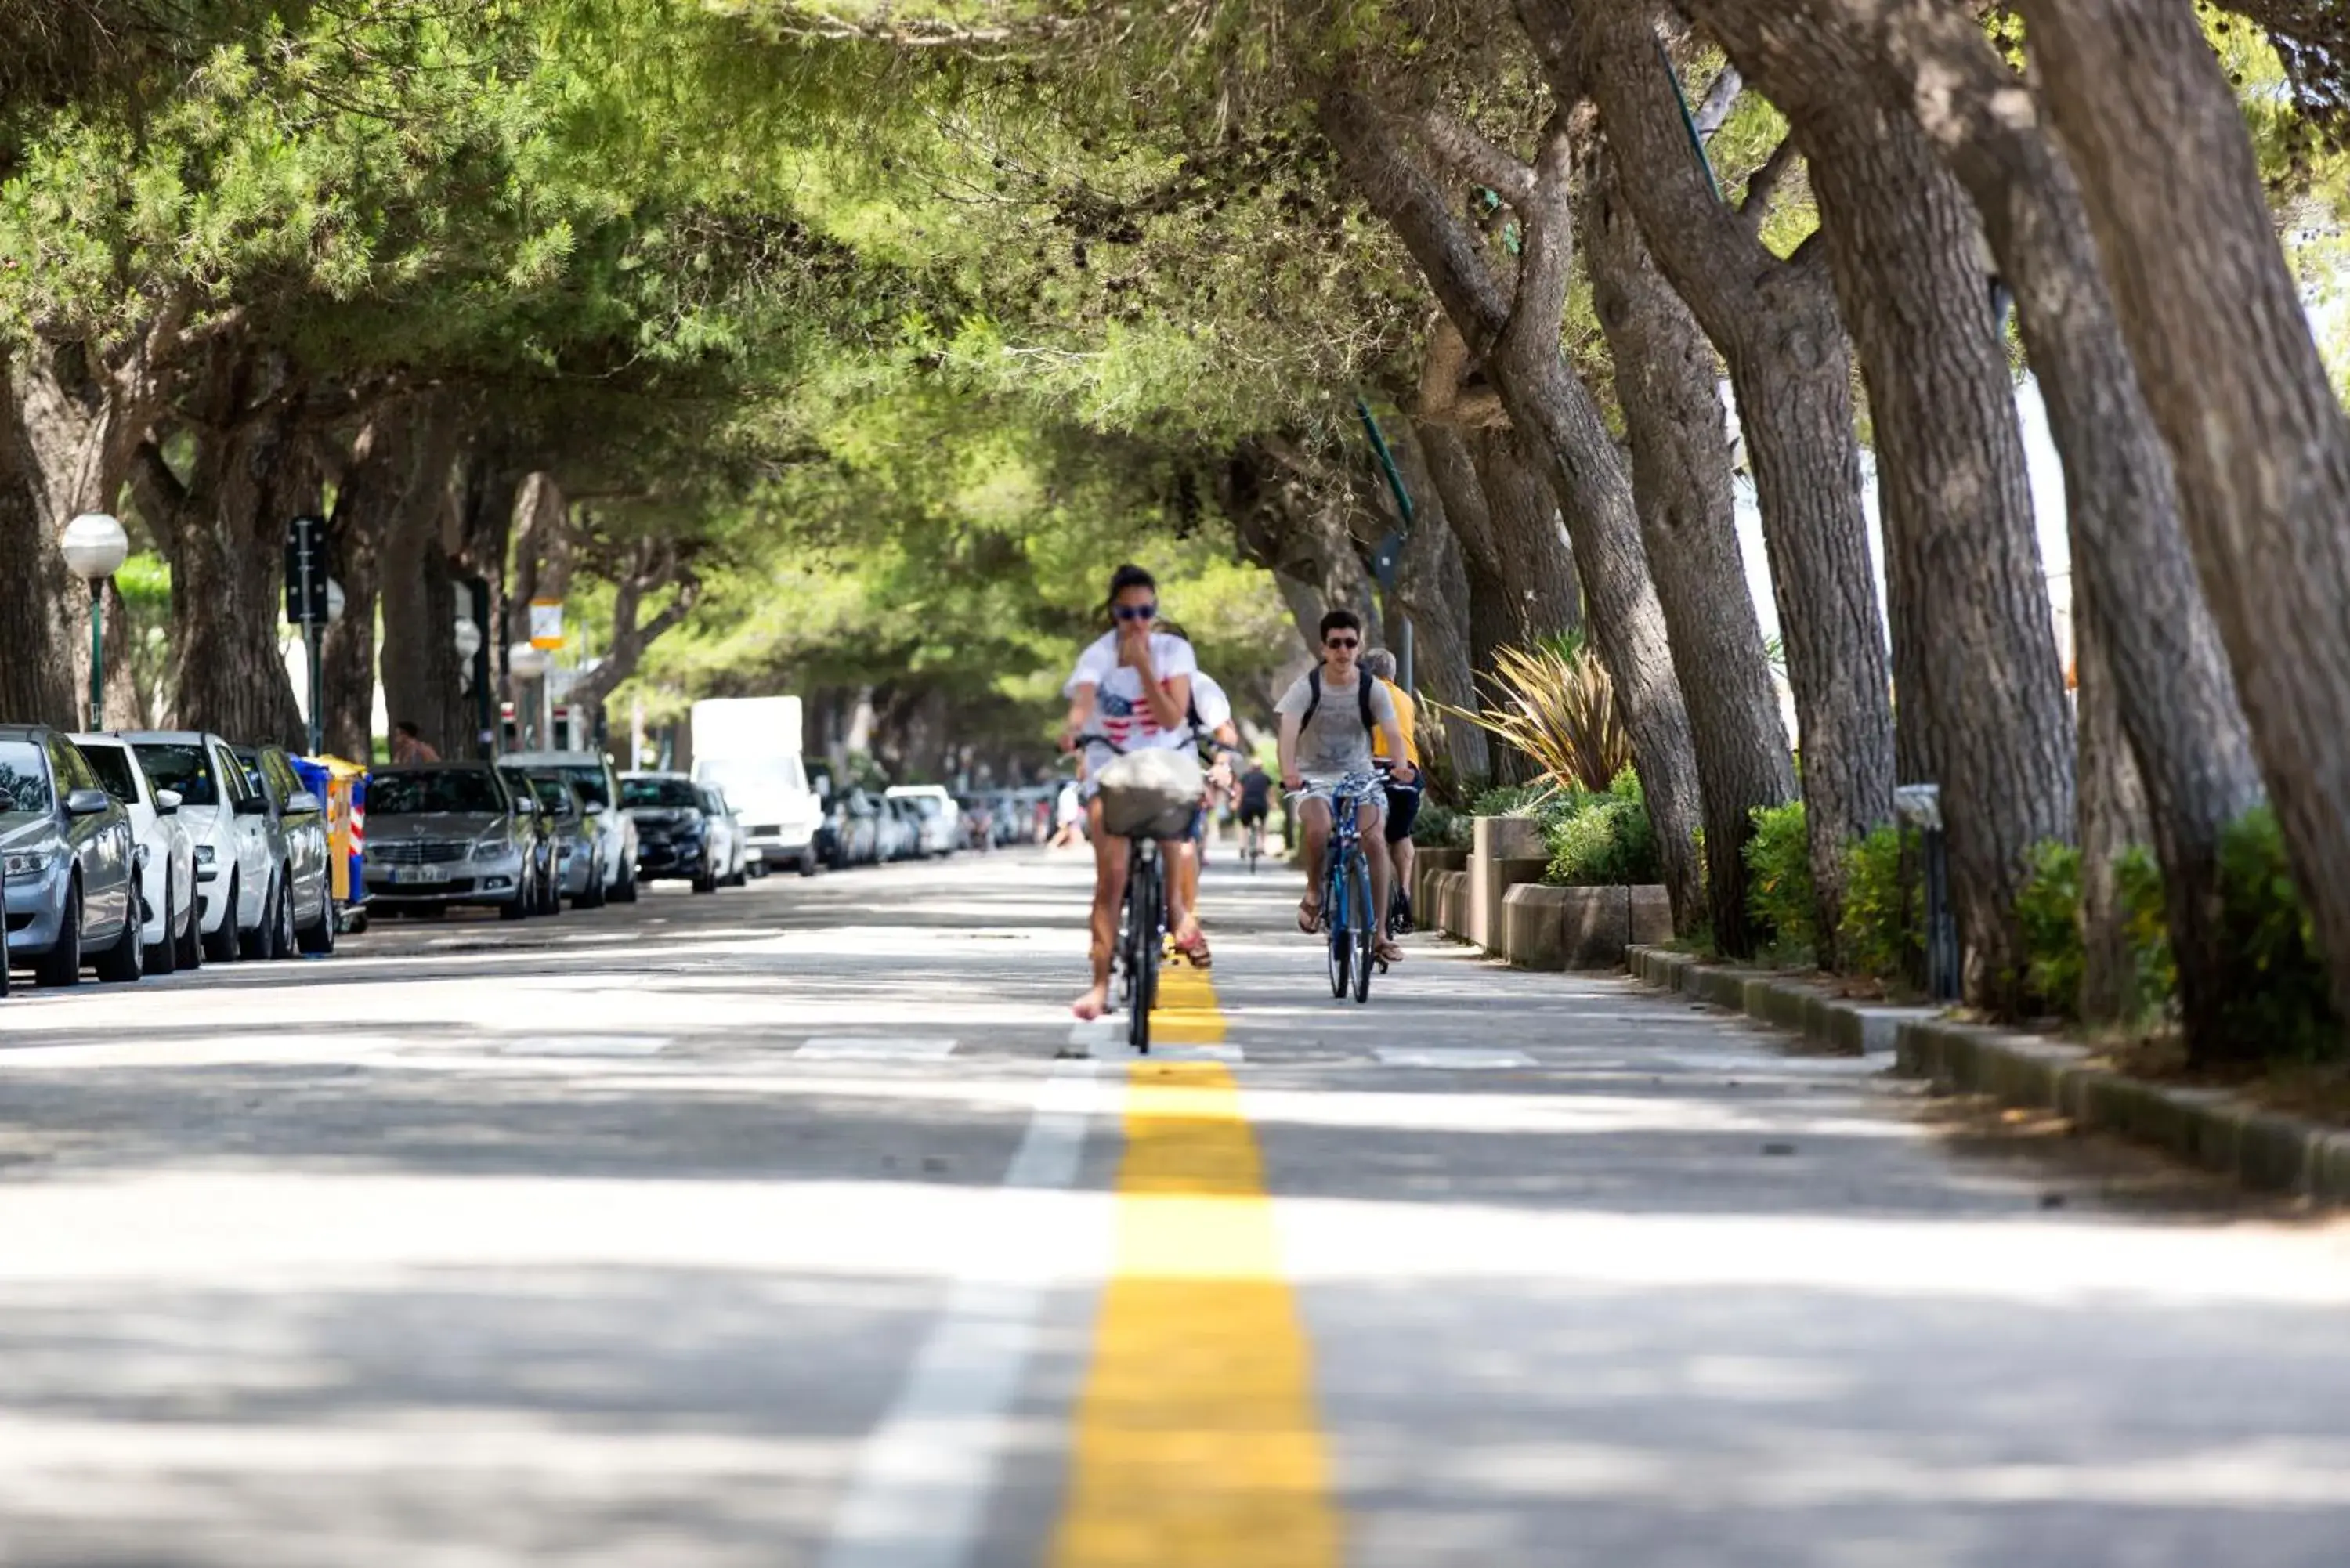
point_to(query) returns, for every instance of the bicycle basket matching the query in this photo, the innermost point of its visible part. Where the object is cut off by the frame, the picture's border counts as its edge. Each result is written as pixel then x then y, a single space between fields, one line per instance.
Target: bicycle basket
pixel 1151 794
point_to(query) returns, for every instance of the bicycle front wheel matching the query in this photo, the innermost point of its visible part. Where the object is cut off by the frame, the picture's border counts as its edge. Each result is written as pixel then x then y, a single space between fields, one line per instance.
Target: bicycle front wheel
pixel 1336 919
pixel 1142 950
pixel 1365 931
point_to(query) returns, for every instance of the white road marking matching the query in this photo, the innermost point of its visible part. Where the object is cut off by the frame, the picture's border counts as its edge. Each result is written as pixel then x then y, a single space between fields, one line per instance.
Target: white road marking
pixel 1456 1056
pixel 917 1493
pixel 585 1046
pixel 874 1047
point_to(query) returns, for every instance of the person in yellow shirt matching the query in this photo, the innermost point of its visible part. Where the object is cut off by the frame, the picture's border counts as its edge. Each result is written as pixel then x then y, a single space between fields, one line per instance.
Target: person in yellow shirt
pixel 1403 799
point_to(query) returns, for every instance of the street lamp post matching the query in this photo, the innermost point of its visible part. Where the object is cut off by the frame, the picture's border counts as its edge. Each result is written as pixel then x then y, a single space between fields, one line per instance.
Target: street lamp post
pixel 95 547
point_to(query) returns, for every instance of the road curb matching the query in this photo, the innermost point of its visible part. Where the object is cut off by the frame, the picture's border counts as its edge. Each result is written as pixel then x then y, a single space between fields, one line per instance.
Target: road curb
pixel 2263 1150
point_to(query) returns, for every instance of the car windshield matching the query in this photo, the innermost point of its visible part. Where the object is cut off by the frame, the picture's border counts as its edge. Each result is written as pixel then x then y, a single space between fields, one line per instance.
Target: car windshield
pixel 750 778
pixel 23 778
pixel 413 793
pixel 180 768
pixel 591 780
pixel 113 765
pixel 659 795
pixel 928 804
pixel 252 761
pixel 552 796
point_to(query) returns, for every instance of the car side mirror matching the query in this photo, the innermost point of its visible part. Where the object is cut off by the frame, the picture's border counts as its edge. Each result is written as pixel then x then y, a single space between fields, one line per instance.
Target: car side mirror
pixel 168 802
pixel 303 801
pixel 88 802
pixel 252 805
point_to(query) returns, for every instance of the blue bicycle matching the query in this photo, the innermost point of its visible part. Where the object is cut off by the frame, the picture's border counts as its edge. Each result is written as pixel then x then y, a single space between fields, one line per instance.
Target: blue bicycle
pixel 1350 919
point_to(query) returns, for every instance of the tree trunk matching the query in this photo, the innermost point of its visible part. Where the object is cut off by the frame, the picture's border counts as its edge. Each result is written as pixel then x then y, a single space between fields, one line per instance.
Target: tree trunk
pixel 379 482
pixel 1536 557
pixel 1432 589
pixel 418 659
pixel 1293 522
pixel 2113 819
pixel 1680 473
pixel 1519 339
pixel 37 594
pixel 1778 328
pixel 1491 622
pixel 226 535
pixel 2169 688
pixel 2216 325
pixel 1980 698
pixel 648 570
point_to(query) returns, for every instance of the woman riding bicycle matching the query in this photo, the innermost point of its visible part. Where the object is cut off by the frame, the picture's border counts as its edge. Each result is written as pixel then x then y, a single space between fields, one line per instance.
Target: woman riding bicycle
pixel 1328 718
pixel 1131 691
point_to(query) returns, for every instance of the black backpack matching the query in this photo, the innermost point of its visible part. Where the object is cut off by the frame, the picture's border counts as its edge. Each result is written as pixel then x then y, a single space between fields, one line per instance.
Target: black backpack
pixel 1363 679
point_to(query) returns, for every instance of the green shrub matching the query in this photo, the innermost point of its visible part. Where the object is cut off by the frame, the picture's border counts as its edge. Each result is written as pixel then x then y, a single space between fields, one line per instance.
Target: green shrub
pixel 1440 827
pixel 2048 914
pixel 2147 920
pixel 1603 840
pixel 1882 921
pixel 2290 1012
pixel 1780 893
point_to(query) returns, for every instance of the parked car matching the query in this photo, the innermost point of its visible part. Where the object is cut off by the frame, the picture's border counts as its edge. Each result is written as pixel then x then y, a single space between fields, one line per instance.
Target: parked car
pixel 852 829
pixel 167 862
pixel 578 839
pixel 730 845
pixel 673 834
pixel 938 822
pixel 223 813
pixel 902 825
pixel 297 822
pixel 545 857
pixel 72 862
pixel 599 787
pixel 442 833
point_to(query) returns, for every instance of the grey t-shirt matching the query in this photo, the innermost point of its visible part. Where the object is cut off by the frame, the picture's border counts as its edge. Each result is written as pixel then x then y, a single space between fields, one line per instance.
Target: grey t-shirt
pixel 1334 743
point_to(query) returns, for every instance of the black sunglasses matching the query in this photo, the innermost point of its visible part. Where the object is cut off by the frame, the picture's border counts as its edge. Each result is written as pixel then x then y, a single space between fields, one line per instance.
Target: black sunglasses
pixel 1335 642
pixel 1135 612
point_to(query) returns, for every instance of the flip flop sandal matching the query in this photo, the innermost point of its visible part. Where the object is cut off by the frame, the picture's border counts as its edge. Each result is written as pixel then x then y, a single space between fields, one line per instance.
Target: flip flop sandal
pixel 1309 916
pixel 1197 955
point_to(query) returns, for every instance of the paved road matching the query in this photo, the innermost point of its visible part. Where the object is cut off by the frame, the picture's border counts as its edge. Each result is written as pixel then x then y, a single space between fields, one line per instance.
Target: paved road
pixel 792 1226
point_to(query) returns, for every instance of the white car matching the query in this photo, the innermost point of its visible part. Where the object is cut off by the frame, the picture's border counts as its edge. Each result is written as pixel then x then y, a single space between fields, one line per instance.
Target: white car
pixel 730 848
pixel 227 820
pixel 599 791
pixel 941 819
pixel 166 855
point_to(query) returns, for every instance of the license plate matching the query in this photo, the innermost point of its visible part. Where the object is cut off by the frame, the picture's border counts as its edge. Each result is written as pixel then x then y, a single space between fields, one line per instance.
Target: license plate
pixel 412 876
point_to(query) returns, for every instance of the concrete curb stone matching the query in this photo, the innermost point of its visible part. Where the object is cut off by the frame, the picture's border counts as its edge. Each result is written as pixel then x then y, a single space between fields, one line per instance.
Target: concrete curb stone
pixel 2263 1150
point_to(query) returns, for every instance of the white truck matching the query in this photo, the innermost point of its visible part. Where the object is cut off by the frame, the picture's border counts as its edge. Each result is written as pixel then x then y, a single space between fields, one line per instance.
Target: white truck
pixel 750 748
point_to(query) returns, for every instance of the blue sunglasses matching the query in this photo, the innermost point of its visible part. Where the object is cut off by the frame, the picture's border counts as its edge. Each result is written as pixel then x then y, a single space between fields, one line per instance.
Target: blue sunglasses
pixel 1136 612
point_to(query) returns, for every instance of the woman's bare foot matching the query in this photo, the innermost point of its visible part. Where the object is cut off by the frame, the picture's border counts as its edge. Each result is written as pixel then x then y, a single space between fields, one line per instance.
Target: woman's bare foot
pixel 1092 1004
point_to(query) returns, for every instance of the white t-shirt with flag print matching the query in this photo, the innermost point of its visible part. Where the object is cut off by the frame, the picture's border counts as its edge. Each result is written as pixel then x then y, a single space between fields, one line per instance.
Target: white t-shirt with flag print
pixel 1119 710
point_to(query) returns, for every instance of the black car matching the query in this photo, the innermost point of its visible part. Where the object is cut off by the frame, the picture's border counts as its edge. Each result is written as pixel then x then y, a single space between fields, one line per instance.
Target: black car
pixel 71 862
pixel 672 834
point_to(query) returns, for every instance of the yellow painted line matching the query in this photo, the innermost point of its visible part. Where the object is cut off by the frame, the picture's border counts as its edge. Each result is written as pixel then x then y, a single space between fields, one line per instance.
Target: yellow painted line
pixel 1197 1444
pixel 1185 1013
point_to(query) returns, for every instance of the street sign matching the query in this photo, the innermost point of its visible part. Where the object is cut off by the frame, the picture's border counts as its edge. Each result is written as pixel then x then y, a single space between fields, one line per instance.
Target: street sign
pixel 307 600
pixel 546 623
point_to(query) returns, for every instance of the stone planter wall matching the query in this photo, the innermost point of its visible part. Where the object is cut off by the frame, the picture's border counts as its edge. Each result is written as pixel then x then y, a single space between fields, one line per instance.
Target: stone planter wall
pixel 1581 928
pixel 1499 859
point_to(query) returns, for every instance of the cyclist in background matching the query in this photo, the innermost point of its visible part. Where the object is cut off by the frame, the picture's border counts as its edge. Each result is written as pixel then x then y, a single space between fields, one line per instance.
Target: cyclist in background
pixel 1328 718
pixel 1256 788
pixel 1403 799
pixel 1132 686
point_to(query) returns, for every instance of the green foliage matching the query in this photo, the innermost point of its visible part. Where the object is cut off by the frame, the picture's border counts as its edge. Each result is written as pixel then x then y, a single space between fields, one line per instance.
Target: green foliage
pixel 1602 839
pixel 1882 922
pixel 1559 709
pixel 2290 1012
pixel 2048 914
pixel 1513 799
pixel 1440 827
pixel 1780 892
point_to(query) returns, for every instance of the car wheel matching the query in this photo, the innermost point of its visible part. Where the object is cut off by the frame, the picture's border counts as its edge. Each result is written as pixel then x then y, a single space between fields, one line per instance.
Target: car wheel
pixel 191 943
pixel 624 890
pixel 318 937
pixel 164 958
pixel 254 944
pixel 61 965
pixel 280 929
pixel 809 865
pixel 518 907
pixel 222 946
pixel 126 960
pixel 705 880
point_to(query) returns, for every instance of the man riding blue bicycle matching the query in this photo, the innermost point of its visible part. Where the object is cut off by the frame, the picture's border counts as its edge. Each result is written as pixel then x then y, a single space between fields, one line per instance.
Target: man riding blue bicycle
pixel 1327 720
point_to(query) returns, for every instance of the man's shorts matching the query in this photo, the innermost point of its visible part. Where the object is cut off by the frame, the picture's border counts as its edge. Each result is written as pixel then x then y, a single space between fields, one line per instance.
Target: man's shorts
pixel 1403 810
pixel 1253 813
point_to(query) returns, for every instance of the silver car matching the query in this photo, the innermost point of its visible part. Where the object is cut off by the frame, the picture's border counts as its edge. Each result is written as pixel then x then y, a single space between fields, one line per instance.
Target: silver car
pixel 579 841
pixel 72 862
pixel 441 833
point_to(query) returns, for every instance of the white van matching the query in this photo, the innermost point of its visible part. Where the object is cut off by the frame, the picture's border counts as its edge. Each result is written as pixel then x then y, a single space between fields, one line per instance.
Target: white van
pixel 749 749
